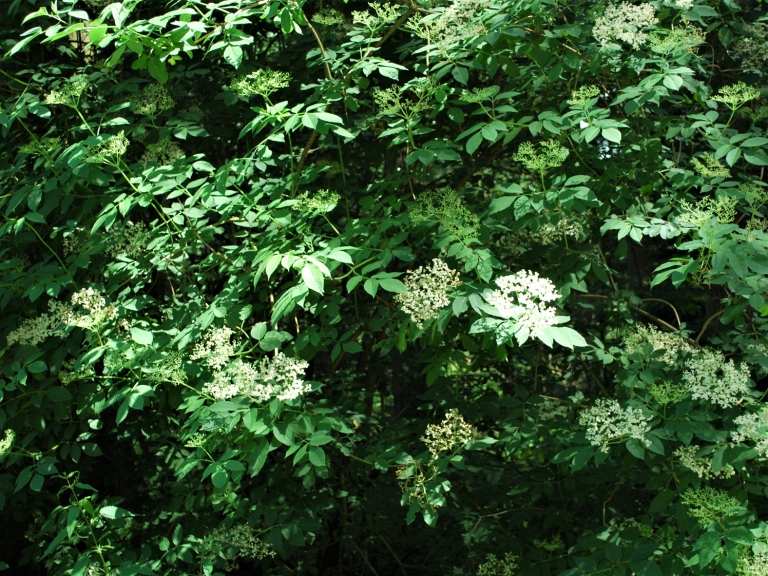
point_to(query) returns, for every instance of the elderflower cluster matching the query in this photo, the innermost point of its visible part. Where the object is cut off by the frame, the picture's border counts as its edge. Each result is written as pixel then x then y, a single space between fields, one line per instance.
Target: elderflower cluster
pixel 683 5
pixel 316 202
pixel 129 240
pixel 710 168
pixel 551 234
pixel 709 377
pixel 583 95
pixel 6 443
pixel 553 545
pixel 736 95
pixel 281 377
pixel 625 22
pixel 700 465
pixel 152 100
pixel 722 207
pixel 452 431
pixel 110 150
pixel 668 392
pixel 752 563
pixel 607 421
pixel 34 331
pixel 551 156
pixel 446 205
pixel 241 536
pixel 426 291
pixel 522 296
pixel 70 93
pixel 163 153
pixel 262 82
pixel 753 427
pixel 195 441
pixel 216 348
pixel 495 567
pixel 672 344
pixel 708 503
pixel 40 147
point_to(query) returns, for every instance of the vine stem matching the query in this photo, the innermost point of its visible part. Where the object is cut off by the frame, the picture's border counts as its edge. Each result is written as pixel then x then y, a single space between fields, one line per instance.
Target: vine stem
pixel 52 251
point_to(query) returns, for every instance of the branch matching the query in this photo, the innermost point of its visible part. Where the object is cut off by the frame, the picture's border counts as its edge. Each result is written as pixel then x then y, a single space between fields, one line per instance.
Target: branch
pixel 633 307
pixel 372 569
pixel 703 328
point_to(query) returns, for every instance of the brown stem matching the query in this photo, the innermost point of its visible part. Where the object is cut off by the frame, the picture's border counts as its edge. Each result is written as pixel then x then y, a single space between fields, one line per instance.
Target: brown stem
pixel 364 557
pixel 677 316
pixel 328 74
pixel 633 307
pixel 703 328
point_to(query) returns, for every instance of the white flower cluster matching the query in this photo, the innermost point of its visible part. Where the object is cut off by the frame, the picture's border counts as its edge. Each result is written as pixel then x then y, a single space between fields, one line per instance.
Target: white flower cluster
pixel 522 296
pixel 460 21
pixel 6 443
pixel 34 331
pixel 263 82
pixel 625 22
pixel 753 427
pixel 70 93
pixel 452 431
pixel 281 377
pixel 683 5
pixel 672 344
pixel 152 100
pixel 752 563
pixel 216 348
pixel 701 466
pixel 110 150
pixel 607 421
pixel 709 377
pixel 551 234
pixel 427 291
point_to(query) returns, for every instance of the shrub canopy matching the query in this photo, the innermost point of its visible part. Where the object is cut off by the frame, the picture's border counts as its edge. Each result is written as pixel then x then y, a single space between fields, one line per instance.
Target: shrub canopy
pixel 456 288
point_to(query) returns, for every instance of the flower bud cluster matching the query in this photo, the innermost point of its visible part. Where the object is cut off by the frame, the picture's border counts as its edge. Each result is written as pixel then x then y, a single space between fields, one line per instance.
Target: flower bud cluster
pixel 753 427
pixel 583 95
pixel 163 153
pixel 446 205
pixel 241 536
pixel 752 563
pixel 427 291
pixel 328 17
pixel 110 150
pixel 316 202
pixel 700 465
pixel 687 37
pixel 216 348
pixel 129 240
pixel 262 82
pixel 522 296
pixel 625 22
pixel 384 13
pixel 460 21
pixel 70 93
pixel 170 369
pixel 152 100
pixel 607 421
pixel 672 344
pixel 708 503
pixel 710 167
pixel 722 207
pixel 451 432
pixel 552 155
pixel 495 567
pixel 478 94
pixel 736 95
pixel 40 147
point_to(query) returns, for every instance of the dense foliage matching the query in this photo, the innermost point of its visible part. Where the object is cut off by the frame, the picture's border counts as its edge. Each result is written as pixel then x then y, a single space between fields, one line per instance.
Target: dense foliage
pixel 339 288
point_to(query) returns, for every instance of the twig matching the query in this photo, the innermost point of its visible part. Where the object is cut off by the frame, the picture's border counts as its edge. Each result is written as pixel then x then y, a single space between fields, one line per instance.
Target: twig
pixel 632 306
pixel 389 548
pixel 356 547
pixel 703 328
pixel 677 316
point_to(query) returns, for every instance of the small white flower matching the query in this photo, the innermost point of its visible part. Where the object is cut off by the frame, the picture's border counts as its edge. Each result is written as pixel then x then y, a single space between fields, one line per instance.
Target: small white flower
pixel 522 296
pixel 427 291
pixel 709 377
pixel 607 421
pixel 583 124
pixel 625 22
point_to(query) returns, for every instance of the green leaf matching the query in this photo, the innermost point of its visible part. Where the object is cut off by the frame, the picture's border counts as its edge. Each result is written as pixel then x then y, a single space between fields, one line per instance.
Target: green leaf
pixel 392 285
pixel 220 477
pixel 662 500
pixel 59 394
pixel 312 277
pixel 317 456
pixel 37 367
pixel 141 336
pixel 611 134
pixel 460 74
pixel 636 448
pixel 157 70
